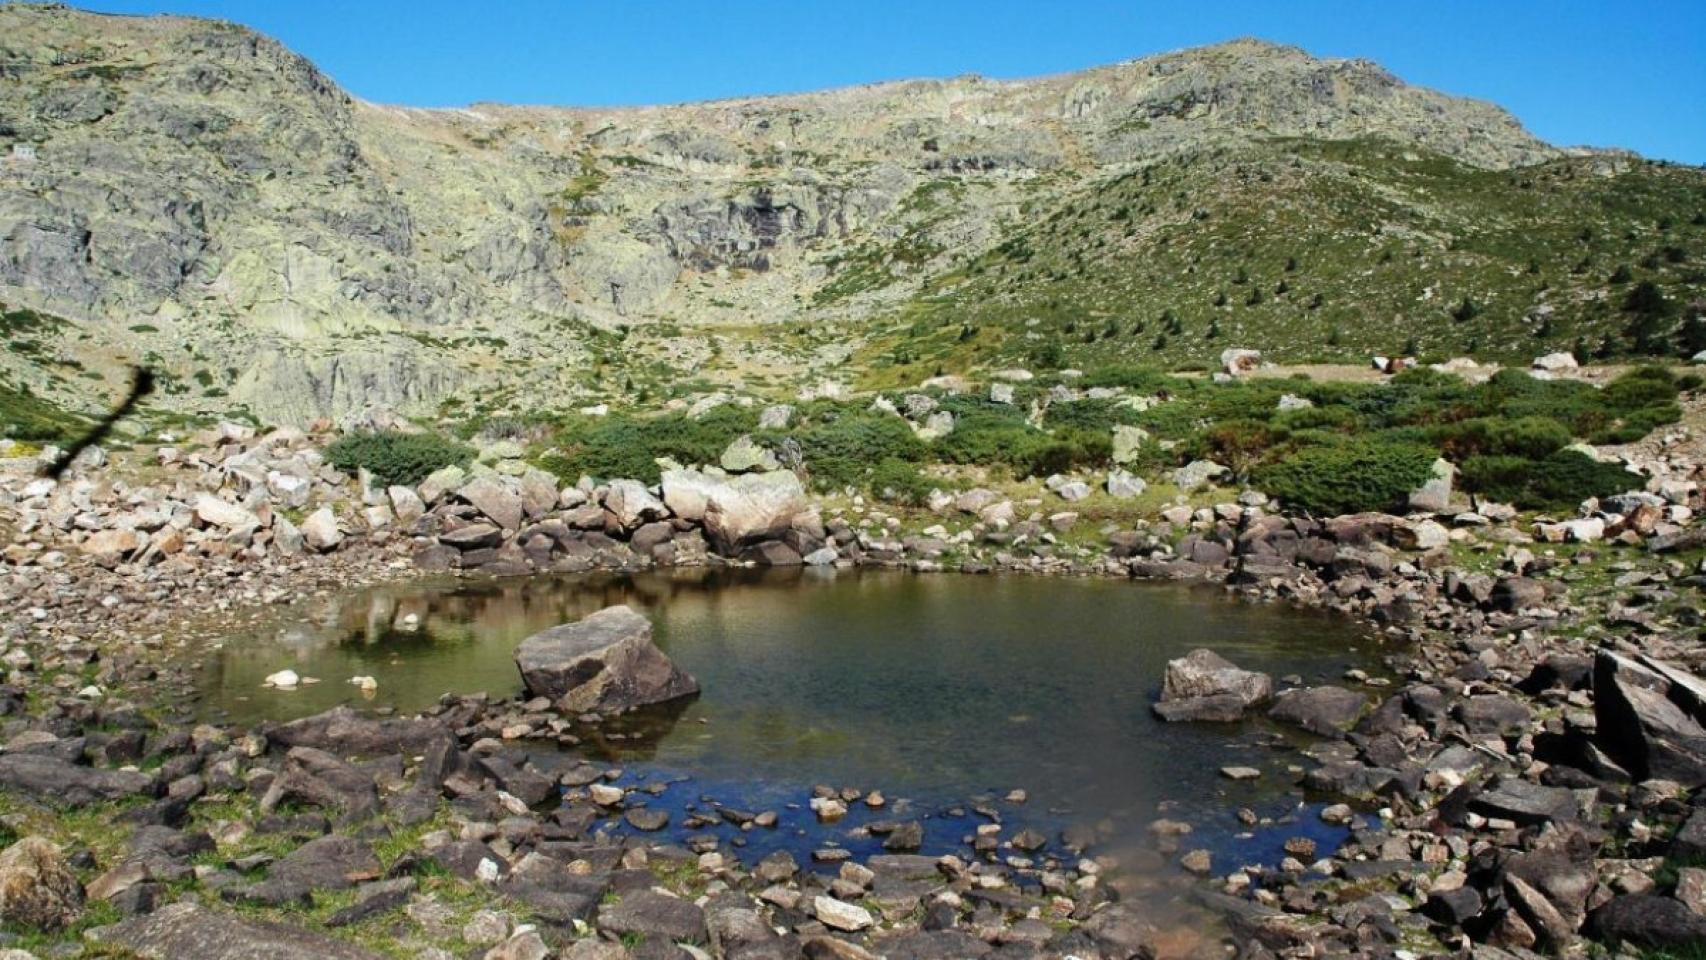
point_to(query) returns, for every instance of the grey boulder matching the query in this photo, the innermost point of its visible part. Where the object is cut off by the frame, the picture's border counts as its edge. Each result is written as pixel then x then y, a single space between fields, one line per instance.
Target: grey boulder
pixel 55 781
pixel 1202 685
pixel 604 663
pixel 1651 718
pixel 737 511
pixel 1328 711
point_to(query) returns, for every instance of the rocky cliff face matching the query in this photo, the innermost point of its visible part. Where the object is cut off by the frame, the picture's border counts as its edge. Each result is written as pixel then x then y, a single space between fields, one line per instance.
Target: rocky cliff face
pixel 192 195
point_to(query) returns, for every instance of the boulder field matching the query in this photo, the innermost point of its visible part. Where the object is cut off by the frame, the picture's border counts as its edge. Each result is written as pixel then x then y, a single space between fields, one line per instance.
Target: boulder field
pixel 1524 778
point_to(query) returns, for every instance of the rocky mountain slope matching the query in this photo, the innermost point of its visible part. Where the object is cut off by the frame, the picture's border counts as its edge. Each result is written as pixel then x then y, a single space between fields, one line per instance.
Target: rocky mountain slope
pixel 192 196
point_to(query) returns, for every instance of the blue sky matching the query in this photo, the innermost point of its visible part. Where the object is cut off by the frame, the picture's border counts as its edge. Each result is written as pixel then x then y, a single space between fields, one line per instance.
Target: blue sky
pixel 1630 74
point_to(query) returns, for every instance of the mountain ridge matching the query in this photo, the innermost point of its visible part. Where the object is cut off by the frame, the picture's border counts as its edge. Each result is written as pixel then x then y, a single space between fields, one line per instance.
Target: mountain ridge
pixel 203 200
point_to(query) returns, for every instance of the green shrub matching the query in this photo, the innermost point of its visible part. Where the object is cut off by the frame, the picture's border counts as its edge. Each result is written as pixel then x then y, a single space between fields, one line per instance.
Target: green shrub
pixel 1239 444
pixel 843 447
pixel 1349 476
pixel 1090 415
pixel 1531 437
pixel 1641 387
pixel 1003 439
pixel 899 482
pixel 394 457
pixel 1558 482
pixel 1061 452
pixel 985 442
pixel 623 446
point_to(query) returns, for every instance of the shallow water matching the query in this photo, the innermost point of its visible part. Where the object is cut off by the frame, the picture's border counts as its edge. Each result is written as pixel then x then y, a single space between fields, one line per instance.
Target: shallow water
pixel 933 688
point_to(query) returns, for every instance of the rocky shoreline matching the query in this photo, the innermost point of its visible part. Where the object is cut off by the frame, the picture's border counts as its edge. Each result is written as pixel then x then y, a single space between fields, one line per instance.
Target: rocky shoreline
pixel 1527 783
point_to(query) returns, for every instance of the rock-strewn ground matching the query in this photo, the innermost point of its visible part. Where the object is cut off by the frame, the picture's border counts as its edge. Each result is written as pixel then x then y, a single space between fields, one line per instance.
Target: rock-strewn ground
pixel 1525 784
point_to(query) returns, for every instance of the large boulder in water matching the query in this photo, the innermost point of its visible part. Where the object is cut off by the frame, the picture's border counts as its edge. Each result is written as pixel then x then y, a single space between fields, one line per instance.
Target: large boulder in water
pixel 737 511
pixel 1203 685
pixel 1651 718
pixel 605 663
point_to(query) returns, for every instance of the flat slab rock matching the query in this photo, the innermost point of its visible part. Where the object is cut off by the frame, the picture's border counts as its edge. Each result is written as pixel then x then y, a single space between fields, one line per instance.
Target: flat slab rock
pixel 653 914
pixel 188 930
pixel 1327 711
pixel 604 663
pixel 54 780
pixel 342 731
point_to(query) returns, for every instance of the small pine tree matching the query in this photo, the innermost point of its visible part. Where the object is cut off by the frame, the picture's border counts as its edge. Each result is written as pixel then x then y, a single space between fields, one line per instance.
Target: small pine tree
pixel 1466 311
pixel 1242 276
pixel 1334 337
pixel 1290 264
pixel 1648 311
pixel 1691 336
pixel 1160 341
pixel 1213 330
pixel 1646 298
pixel 1254 298
pixel 1622 274
pixel 1220 298
pixel 1411 348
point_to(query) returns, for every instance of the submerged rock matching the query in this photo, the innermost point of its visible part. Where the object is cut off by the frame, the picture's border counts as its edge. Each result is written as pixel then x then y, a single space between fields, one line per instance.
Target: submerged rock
pixel 604 663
